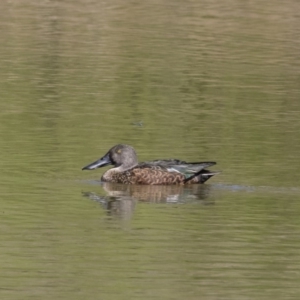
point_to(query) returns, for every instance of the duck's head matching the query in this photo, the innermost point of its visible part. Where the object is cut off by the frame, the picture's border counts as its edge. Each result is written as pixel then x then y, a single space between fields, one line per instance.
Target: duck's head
pixel 121 156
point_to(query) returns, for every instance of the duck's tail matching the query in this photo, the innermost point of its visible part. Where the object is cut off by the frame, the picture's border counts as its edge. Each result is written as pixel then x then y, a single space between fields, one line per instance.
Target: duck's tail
pixel 201 176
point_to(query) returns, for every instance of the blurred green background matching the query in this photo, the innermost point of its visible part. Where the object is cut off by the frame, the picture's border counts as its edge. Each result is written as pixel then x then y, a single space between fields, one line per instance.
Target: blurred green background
pixel 206 80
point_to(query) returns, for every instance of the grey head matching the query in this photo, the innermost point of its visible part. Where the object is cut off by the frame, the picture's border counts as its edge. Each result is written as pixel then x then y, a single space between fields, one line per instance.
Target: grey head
pixel 120 156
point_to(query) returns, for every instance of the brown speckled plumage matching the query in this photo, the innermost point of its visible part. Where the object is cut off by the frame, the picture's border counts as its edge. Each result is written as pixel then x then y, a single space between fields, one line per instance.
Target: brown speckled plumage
pixel 143 176
pixel 127 170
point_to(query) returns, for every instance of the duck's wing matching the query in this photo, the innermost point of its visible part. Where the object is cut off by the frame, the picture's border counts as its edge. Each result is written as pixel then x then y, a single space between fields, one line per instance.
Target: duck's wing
pixel 162 162
pixel 191 168
pixel 176 165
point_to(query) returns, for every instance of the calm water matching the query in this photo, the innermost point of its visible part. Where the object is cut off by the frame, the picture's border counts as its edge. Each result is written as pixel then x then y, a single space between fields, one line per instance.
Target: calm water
pixel 175 79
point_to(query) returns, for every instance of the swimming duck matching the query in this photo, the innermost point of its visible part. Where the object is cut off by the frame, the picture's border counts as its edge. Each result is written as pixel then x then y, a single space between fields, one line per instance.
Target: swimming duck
pixel 128 170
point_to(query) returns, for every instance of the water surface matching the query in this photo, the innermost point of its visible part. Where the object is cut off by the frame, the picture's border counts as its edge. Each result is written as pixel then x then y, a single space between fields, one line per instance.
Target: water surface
pixel 187 80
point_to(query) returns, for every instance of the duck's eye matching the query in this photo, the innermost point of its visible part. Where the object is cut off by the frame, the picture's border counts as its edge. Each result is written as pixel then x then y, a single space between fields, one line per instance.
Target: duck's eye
pixel 119 151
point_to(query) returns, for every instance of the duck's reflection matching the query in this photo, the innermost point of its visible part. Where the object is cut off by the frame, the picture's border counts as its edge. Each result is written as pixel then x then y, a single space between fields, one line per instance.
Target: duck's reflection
pixel 121 199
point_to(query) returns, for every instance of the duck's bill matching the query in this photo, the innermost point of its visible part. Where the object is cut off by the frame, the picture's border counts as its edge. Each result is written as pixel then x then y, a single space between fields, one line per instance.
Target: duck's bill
pixel 102 162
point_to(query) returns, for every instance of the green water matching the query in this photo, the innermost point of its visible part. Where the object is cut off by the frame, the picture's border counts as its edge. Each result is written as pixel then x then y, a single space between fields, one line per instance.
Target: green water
pixel 189 80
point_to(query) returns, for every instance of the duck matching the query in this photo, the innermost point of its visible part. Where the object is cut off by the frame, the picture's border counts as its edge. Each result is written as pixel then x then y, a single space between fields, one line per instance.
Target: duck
pixel 127 170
